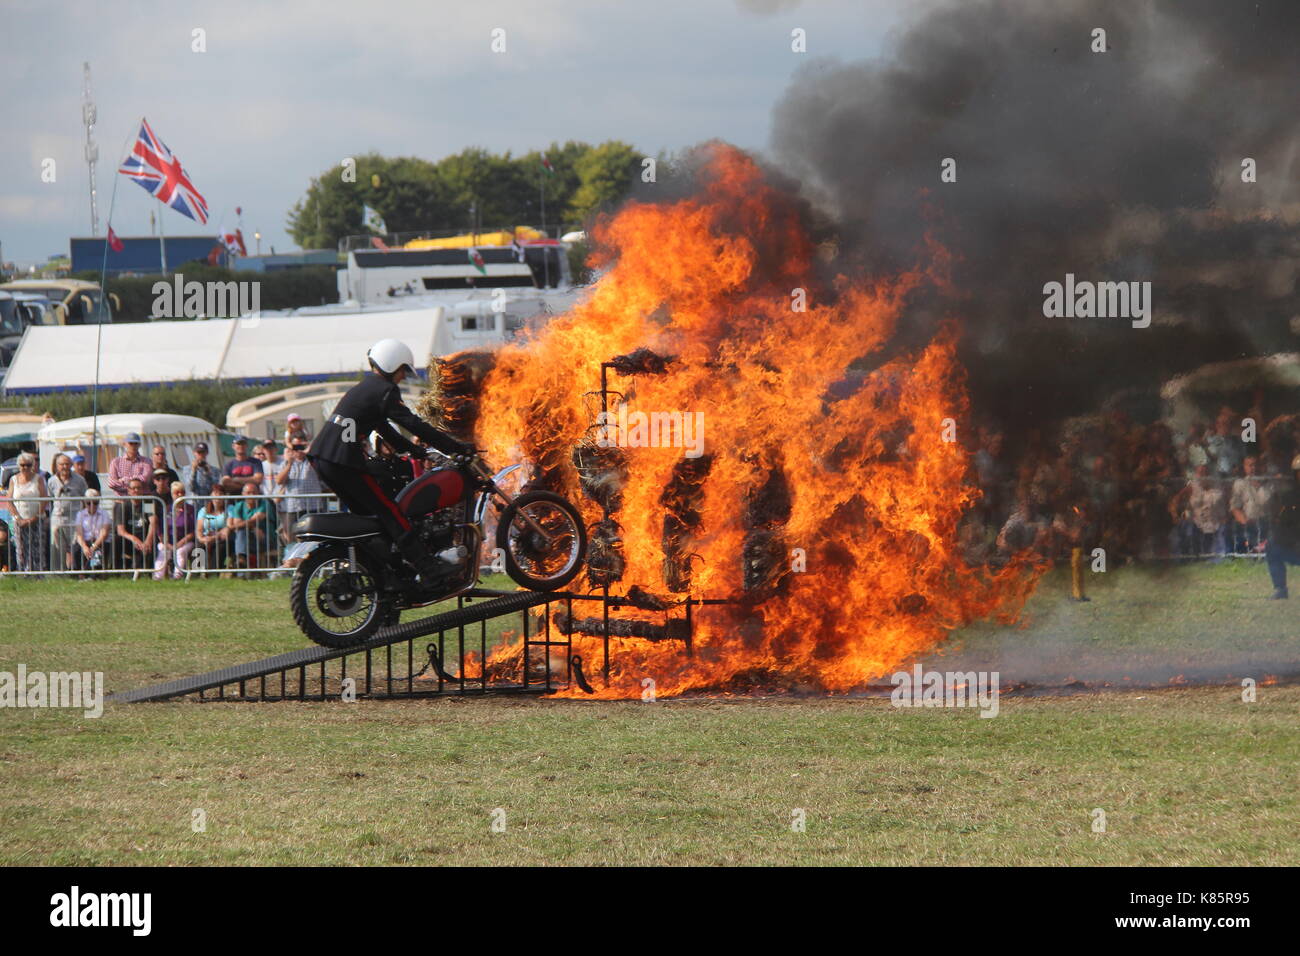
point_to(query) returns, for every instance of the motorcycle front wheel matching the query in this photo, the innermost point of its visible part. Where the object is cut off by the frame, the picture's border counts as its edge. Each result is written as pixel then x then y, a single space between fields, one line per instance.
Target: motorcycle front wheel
pixel 334 602
pixel 542 562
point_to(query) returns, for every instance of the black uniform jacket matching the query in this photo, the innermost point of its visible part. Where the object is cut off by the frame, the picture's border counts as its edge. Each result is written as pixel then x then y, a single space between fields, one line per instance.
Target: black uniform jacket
pixel 368 406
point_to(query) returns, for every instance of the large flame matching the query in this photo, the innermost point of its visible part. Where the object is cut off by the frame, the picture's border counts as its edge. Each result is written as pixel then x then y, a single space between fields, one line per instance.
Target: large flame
pixel 872 484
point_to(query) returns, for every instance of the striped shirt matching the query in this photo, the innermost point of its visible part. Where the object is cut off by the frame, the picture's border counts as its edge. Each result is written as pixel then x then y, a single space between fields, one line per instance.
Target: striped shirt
pixel 122 469
pixel 302 480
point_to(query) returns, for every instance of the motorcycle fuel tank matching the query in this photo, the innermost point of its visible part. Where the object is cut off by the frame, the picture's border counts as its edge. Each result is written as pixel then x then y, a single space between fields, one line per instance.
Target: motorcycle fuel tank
pixel 432 490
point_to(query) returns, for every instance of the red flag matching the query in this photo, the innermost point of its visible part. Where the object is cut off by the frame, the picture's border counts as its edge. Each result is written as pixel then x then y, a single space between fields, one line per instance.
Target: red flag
pixel 114 243
pixel 214 256
pixel 546 164
pixel 477 259
pixel 234 241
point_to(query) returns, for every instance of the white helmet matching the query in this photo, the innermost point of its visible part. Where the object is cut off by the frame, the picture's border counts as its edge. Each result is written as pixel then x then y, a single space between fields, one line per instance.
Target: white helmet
pixel 388 355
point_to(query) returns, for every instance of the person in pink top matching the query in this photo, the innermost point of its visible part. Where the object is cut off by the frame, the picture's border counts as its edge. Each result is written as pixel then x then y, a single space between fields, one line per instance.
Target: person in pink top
pixel 131 465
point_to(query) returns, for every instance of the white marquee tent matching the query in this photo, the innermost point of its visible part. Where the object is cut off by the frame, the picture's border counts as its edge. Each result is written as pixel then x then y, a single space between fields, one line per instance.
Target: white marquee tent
pixel 56 358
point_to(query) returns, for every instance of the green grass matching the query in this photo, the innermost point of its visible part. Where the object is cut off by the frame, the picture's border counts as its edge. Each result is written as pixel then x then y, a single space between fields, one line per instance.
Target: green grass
pixel 1186 776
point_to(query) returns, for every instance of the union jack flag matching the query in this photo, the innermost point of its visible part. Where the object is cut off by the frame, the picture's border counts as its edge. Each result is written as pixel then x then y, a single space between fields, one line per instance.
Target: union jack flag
pixel 156 168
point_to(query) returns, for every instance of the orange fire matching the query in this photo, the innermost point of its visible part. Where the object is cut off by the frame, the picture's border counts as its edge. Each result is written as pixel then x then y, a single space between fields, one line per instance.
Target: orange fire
pixel 873 484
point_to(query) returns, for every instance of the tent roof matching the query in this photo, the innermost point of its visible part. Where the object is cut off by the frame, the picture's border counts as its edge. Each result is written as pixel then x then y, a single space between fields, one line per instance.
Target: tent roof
pixel 54 358
pixel 116 426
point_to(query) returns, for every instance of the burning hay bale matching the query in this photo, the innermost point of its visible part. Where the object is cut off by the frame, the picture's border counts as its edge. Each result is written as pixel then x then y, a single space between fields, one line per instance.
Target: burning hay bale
pixel 681 499
pixel 674 629
pixel 602 474
pixel 605 559
pixel 638 596
pixel 641 361
pixel 766 511
pixel 451 401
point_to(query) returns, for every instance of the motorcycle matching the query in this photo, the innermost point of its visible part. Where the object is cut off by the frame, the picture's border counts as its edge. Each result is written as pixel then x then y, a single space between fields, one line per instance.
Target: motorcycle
pixel 355 580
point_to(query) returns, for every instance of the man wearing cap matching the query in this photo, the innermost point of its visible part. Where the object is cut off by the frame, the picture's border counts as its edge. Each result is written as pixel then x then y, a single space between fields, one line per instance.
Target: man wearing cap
pixel 1283 544
pixel 240 469
pixel 131 465
pixel 199 477
pixel 93 528
pixel 89 477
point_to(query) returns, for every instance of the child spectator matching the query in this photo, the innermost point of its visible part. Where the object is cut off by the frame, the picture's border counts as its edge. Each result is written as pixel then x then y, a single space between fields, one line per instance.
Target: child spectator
pixel 296 431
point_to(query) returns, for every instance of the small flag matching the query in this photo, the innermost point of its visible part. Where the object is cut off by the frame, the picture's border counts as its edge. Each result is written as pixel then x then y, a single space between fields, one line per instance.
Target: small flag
pixel 373 220
pixel 215 254
pixel 476 257
pixel 234 242
pixel 114 243
pixel 546 165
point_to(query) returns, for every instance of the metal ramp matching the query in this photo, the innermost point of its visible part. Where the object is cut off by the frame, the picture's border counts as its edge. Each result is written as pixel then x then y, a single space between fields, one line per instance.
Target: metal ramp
pixel 303 675
pixel 383 668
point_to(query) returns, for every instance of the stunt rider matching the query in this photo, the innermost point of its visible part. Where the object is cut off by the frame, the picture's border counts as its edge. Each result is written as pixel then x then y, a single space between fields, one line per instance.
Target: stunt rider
pixel 370 406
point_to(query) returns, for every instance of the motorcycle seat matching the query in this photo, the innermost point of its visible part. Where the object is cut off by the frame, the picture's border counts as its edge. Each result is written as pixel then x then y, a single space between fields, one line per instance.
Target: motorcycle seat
pixel 336 524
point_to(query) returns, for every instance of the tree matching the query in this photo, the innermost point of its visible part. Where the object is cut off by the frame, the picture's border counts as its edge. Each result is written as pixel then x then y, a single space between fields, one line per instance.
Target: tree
pixel 606 174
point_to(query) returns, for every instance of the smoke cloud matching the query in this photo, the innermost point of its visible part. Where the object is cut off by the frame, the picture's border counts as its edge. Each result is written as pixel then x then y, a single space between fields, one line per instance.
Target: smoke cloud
pixel 1123 165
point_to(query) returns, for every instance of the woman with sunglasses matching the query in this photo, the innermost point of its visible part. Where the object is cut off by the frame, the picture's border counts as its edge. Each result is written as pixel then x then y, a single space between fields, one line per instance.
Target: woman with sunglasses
pixel 25 486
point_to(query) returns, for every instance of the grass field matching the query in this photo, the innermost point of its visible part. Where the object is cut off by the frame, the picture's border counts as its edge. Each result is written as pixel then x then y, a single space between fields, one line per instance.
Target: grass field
pixel 1185 775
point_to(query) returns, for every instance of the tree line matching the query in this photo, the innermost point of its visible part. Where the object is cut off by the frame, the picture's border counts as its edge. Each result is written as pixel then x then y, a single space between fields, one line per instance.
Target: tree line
pixel 470 189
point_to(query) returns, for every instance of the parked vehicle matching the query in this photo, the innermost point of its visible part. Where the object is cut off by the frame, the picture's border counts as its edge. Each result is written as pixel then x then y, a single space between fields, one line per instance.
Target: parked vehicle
pixel 76 301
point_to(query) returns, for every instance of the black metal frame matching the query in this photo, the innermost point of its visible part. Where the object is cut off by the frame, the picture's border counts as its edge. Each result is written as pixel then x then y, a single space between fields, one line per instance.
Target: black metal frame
pixel 249 682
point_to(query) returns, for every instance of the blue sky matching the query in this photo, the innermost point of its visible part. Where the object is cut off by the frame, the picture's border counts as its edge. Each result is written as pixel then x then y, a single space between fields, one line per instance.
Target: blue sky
pixel 287 89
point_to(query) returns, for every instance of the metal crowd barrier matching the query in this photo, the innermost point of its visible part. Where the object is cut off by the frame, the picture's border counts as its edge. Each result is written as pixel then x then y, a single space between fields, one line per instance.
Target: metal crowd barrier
pixel 236 546
pixel 250 542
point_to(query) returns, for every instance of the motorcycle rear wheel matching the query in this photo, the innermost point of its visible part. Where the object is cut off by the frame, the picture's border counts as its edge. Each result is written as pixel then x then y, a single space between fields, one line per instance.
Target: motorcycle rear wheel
pixel 333 610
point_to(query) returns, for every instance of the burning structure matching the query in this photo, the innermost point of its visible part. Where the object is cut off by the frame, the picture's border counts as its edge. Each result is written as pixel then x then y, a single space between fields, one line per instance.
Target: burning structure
pixel 826 516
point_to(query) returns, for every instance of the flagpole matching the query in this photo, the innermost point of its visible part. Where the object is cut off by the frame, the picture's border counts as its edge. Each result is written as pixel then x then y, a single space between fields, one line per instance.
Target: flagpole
pixel 162 240
pixel 546 252
pixel 99 329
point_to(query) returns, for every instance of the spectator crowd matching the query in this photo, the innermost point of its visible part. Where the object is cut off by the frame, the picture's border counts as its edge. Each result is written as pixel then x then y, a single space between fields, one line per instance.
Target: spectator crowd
pixel 234 520
pixel 1141 492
